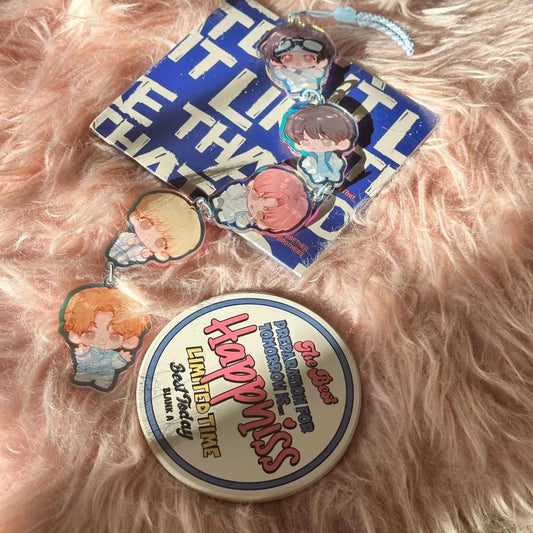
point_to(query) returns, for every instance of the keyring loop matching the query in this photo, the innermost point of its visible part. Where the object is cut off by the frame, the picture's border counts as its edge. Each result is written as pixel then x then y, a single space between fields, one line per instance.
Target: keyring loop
pixel 109 280
pixel 312 96
pixel 205 206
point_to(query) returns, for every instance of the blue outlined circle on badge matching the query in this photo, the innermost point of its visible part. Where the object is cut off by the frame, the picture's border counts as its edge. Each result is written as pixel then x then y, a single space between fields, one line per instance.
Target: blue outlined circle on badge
pixel 257 425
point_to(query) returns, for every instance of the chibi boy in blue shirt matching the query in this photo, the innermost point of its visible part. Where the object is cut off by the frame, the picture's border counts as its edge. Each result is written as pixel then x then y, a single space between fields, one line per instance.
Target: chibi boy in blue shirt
pixel 104 328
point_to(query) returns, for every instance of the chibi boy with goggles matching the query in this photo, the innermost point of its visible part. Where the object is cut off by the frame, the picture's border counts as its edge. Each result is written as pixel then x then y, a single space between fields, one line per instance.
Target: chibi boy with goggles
pixel 297 57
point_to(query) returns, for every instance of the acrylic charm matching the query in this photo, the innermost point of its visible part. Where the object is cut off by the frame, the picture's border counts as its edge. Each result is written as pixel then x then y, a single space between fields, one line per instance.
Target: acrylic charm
pixel 272 201
pixel 297 57
pixel 163 226
pixel 104 329
pixel 322 135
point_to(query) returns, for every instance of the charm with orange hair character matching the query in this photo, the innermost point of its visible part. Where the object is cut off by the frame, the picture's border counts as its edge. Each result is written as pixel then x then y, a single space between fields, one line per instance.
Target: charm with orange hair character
pixel 104 329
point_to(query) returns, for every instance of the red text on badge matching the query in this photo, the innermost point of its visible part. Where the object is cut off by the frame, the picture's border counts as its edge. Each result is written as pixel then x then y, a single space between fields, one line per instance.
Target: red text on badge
pixel 319 377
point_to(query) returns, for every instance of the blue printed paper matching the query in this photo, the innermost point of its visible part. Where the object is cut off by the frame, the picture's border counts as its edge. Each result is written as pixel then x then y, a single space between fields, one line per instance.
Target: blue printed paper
pixel 207 114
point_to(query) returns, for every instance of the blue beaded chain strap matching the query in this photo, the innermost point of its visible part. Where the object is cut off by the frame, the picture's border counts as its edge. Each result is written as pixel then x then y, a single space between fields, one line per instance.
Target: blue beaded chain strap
pixel 350 15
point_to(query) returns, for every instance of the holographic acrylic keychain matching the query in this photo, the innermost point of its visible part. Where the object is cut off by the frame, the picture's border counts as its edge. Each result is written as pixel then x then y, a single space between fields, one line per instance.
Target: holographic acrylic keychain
pixel 103 326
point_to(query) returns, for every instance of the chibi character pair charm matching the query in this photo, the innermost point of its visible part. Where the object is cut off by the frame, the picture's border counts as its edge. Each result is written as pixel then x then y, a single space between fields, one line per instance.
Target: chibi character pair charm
pixel 281 199
pixel 298 58
pixel 103 326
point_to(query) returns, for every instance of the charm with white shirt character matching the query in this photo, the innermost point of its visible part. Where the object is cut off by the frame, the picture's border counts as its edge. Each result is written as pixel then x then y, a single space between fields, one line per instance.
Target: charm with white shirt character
pixel 104 328
pixel 273 201
pixel 298 57
pixel 322 135
pixel 163 226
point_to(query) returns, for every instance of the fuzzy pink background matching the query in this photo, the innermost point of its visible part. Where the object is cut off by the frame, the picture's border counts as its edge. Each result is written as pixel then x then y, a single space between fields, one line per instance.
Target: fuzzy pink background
pixel 431 287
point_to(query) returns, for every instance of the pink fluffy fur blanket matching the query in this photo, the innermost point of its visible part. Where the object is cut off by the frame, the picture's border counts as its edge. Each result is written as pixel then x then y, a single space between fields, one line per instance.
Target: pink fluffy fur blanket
pixel 431 286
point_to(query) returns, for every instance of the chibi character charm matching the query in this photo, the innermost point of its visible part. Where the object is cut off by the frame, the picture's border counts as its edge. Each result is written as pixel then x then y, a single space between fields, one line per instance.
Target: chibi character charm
pixel 273 201
pixel 104 328
pixel 163 226
pixel 322 135
pixel 297 57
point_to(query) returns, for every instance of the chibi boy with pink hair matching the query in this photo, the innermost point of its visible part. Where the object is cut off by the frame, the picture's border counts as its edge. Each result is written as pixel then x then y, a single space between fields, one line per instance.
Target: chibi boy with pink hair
pixel 297 57
pixel 273 201
pixel 104 327
pixel 322 134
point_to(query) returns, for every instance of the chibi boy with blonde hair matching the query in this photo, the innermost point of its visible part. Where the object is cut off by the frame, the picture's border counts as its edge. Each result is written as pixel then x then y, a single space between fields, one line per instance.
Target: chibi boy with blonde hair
pixel 164 226
pixel 104 328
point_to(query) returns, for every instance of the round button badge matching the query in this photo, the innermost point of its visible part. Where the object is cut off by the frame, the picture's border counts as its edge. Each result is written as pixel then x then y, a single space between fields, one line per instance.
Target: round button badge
pixel 248 397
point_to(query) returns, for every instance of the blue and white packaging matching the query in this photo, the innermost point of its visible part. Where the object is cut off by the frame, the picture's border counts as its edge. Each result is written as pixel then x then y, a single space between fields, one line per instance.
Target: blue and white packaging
pixel 207 113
